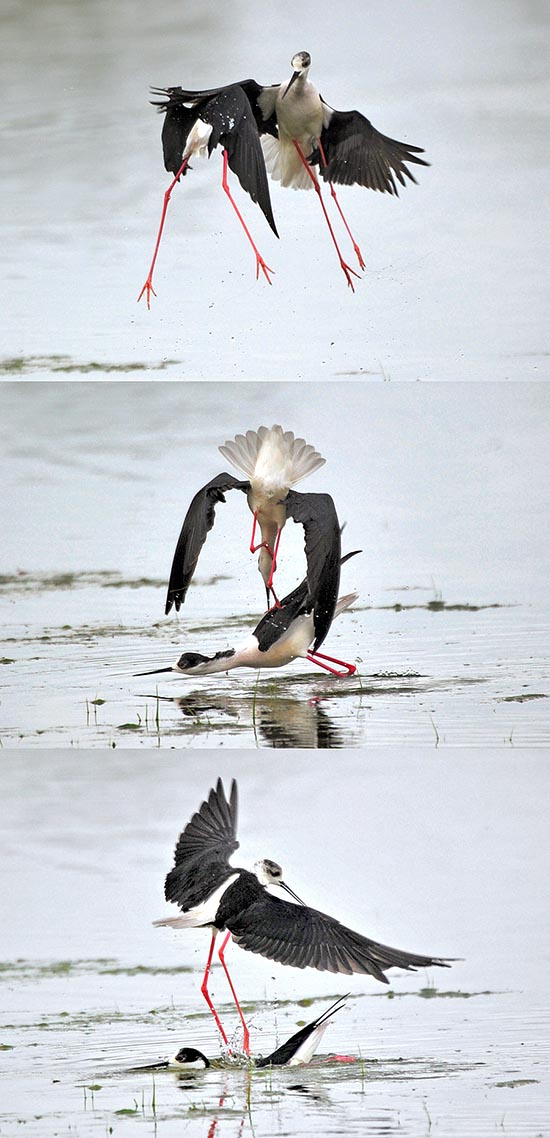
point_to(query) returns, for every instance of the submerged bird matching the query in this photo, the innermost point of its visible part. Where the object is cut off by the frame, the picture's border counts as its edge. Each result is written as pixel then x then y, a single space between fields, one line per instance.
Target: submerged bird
pixel 297 1050
pixel 214 894
pixel 274 461
pixel 300 131
pixel 296 627
pixel 222 118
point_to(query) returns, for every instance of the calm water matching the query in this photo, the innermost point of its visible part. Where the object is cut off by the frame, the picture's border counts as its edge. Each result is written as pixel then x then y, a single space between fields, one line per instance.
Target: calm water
pixel 451 629
pixel 457 277
pixel 90 988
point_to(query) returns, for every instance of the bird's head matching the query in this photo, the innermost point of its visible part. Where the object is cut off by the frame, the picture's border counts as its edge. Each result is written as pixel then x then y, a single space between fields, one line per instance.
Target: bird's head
pixel 300 63
pixel 195 664
pixel 270 873
pixel 190 1057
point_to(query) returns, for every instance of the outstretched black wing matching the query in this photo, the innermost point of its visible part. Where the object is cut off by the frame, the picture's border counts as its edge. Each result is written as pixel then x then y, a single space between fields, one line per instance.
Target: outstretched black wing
pixel 317 514
pixel 198 521
pixel 234 126
pixel 305 938
pixel 178 121
pixel 356 153
pixel 204 848
pixel 261 99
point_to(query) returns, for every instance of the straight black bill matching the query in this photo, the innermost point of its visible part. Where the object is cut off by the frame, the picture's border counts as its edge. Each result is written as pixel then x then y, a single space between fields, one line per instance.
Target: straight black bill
pixel 155 671
pixel 290 82
pixel 290 892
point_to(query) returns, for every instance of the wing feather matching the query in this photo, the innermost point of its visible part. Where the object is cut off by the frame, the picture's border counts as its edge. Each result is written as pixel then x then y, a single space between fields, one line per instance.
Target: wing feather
pixel 302 937
pixel 357 153
pixel 197 523
pixel 317 514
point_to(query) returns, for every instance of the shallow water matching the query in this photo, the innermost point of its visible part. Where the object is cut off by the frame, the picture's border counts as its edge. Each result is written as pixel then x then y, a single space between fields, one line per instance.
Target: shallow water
pixel 90 988
pixel 456 280
pixel 451 630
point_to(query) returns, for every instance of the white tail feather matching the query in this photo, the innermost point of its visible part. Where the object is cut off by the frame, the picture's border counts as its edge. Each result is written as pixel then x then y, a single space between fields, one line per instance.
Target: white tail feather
pixel 344 603
pixel 296 456
pixel 182 922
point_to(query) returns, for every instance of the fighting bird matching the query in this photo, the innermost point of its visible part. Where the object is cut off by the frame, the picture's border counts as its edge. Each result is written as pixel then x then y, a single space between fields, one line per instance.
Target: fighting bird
pixel 297 1050
pixel 301 134
pixel 295 627
pixel 274 461
pixel 220 118
pixel 214 894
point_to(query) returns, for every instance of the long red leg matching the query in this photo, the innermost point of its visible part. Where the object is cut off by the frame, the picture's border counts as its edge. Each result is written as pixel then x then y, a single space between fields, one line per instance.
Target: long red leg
pixel 356 248
pixel 206 994
pixel 246 1034
pixel 269 582
pixel 347 270
pixel 148 286
pixel 260 263
pixel 264 545
pixel 318 657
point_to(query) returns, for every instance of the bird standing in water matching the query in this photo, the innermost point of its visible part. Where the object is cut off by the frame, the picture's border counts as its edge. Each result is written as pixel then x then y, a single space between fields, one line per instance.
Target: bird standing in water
pixel 295 1051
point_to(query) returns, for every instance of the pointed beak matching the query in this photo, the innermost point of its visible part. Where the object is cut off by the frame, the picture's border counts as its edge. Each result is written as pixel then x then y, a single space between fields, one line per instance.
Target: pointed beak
pixel 292 80
pixel 291 893
pixel 155 671
pixel 161 1065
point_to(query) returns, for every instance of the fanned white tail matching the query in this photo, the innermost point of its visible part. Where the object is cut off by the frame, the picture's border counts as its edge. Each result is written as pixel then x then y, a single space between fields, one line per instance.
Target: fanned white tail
pixel 271 453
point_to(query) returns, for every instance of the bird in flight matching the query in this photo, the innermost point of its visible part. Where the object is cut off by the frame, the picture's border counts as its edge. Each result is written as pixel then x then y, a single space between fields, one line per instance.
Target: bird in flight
pixel 303 140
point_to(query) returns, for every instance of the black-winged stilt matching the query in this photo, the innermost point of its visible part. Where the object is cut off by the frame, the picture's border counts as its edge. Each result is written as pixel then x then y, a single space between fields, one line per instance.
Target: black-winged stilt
pixel 296 627
pixel 274 461
pixel 223 118
pixel 211 893
pixel 295 1051
pixel 300 131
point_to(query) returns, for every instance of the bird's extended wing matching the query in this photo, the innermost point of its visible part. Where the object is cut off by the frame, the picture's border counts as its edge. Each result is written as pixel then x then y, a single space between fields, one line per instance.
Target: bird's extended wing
pixel 236 120
pixel 198 521
pixel 204 847
pixel 212 829
pixel 356 153
pixel 233 125
pixel 305 938
pixel 317 514
pixel 177 123
pixel 262 101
